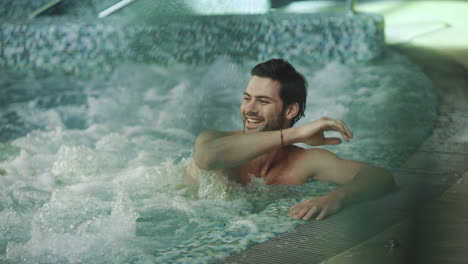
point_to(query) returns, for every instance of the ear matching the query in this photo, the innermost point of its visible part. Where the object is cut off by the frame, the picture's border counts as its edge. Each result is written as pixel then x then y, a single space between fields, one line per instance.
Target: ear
pixel 291 110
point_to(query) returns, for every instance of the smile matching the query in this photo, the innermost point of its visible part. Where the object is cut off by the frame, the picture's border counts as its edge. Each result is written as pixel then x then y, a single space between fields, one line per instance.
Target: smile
pixel 252 122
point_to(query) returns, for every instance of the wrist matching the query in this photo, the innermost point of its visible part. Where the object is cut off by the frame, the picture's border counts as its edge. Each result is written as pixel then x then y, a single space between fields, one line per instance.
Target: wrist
pixel 340 194
pixel 290 136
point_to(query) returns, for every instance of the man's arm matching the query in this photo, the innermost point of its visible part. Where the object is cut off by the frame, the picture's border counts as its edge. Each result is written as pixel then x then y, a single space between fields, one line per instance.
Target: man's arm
pixel 216 150
pixel 359 181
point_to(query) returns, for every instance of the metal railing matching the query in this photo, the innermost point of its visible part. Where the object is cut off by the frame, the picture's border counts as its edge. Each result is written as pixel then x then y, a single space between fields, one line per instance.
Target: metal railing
pixel 350 5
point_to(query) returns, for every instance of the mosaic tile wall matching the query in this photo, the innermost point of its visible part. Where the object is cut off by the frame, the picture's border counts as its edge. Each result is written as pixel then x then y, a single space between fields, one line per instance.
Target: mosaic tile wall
pixel 86 45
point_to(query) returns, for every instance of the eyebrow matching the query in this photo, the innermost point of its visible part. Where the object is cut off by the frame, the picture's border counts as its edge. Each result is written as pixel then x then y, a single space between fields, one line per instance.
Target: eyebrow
pixel 260 96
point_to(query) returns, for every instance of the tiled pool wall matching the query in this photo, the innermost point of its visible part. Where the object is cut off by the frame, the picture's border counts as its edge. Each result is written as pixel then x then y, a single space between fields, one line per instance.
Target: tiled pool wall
pixel 83 45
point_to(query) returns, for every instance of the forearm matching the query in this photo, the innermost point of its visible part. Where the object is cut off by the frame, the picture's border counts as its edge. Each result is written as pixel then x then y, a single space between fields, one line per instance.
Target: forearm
pixel 368 183
pixel 232 150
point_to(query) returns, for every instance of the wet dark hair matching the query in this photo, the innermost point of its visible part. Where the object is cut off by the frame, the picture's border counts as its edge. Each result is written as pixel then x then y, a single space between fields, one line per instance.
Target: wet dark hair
pixel 293 84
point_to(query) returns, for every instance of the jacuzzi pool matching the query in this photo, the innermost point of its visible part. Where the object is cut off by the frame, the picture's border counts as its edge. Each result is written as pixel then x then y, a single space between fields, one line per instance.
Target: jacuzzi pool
pixel 91 165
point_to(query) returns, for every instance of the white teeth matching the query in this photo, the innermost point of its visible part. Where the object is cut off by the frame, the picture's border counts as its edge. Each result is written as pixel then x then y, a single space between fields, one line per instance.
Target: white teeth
pixel 253 120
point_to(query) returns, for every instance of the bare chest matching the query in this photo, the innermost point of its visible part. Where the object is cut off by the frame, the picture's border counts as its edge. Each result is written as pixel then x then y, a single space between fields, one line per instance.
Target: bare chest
pixel 284 174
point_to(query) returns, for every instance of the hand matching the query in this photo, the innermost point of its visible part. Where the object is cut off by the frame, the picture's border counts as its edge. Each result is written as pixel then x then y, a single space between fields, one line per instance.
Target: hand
pixel 312 133
pixel 320 206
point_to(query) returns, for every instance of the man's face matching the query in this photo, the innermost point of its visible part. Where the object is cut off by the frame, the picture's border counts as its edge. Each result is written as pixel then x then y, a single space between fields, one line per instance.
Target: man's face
pixel 261 108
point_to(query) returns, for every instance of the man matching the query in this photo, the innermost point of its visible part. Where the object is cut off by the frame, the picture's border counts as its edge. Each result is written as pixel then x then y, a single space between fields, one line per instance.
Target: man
pixel 273 101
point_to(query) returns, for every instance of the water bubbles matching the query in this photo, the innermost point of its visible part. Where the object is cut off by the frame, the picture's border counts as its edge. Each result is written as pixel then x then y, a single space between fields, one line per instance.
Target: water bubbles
pixel 110 189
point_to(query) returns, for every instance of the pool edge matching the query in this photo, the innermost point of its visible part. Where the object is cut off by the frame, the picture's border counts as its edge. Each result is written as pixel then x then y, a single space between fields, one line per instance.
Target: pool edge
pixel 412 245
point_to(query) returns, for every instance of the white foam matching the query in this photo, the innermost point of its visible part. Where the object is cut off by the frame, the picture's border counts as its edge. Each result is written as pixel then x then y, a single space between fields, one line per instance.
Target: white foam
pixel 128 161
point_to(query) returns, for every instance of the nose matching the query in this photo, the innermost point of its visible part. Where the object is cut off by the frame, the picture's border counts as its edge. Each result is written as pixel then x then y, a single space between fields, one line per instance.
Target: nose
pixel 251 107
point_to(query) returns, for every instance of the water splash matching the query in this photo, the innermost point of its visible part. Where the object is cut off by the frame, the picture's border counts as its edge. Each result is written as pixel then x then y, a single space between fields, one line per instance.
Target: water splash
pixel 93 172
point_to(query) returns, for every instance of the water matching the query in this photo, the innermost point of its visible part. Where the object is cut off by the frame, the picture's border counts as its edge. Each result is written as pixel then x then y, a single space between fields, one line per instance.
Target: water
pixel 91 170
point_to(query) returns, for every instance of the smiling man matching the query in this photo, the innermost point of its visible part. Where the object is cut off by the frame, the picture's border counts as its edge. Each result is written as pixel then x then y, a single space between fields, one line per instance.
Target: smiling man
pixel 274 101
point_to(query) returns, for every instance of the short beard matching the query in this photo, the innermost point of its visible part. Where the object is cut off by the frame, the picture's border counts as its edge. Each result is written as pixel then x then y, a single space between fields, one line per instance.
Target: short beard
pixel 276 125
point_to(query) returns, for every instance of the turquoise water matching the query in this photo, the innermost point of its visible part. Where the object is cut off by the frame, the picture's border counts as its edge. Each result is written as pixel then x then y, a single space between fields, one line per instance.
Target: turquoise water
pixel 91 170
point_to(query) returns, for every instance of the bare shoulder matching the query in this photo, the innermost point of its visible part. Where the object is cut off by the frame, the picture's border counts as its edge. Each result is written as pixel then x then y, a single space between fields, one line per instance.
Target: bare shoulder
pixel 311 159
pixel 325 165
pixel 318 154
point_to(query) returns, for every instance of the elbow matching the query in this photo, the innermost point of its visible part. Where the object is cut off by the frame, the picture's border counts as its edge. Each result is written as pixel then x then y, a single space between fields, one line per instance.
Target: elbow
pixel 383 182
pixel 388 180
pixel 205 161
pixel 203 157
pixel 201 161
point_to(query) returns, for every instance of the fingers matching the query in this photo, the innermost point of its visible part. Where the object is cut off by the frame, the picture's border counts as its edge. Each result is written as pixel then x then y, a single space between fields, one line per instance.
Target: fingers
pixel 348 131
pixel 339 126
pixel 311 212
pixel 301 213
pixel 298 213
pixel 332 141
pixel 306 213
pixel 322 215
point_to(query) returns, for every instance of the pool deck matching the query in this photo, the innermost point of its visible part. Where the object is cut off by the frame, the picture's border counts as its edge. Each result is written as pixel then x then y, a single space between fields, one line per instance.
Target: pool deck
pixel 428 224
pixel 436 231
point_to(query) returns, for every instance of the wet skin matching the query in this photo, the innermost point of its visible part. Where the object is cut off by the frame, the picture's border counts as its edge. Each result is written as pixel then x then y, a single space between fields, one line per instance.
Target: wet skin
pixel 258 150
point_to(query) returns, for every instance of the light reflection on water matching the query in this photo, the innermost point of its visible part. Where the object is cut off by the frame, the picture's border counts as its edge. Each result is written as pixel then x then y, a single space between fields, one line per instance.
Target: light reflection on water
pixel 91 170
